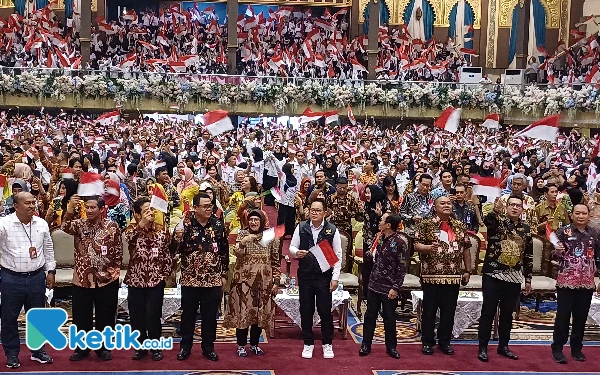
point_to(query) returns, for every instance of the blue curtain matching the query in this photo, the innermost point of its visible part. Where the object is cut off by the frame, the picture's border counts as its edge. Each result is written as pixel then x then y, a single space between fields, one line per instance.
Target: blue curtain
pixel 20 6
pixel 469 20
pixel 428 16
pixel 539 23
pixel 39 4
pixel 384 16
pixel 512 45
pixel 69 8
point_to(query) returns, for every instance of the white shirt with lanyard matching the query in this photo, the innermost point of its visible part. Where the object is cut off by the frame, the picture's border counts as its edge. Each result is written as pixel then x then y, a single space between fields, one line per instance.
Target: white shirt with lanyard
pixel 25 247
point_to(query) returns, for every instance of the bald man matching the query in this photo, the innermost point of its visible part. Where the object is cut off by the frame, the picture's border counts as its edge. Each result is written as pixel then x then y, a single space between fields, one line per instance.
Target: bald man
pixel 26 252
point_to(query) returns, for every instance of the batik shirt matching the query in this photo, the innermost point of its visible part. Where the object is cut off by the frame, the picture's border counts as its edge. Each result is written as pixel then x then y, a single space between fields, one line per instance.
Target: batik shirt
pixel 414 204
pixel 466 214
pixel 580 259
pixel 529 213
pixel 446 264
pixel 204 252
pixel 509 254
pixel 150 260
pixel 389 264
pixel 98 251
pixel 344 209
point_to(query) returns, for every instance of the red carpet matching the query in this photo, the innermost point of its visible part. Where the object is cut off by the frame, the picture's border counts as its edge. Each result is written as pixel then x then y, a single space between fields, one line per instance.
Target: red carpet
pixel 283 356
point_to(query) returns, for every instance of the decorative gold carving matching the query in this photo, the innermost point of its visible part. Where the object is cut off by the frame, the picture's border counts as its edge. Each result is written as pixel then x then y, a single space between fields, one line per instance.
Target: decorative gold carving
pixel 552 13
pixel 505 12
pixel 492 34
pixel 552 7
pixel 94 5
pixel 565 19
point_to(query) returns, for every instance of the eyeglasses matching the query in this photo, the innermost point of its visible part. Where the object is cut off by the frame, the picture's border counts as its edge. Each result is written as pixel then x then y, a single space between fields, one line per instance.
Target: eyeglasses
pixel 515 205
pixel 206 206
pixel 316 210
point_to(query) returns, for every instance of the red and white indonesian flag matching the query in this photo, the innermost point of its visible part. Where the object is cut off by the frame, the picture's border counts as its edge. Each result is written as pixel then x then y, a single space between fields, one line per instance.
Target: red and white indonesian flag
pixel 109 117
pixel 325 255
pixel 217 122
pixel 486 186
pixel 449 119
pixel 351 116
pixel 545 129
pixel 552 237
pixel 67 173
pixel 491 121
pixel 308 115
pixel 593 76
pixel 90 184
pixel 159 200
pixel 271 234
pixel 276 193
pixel 447 235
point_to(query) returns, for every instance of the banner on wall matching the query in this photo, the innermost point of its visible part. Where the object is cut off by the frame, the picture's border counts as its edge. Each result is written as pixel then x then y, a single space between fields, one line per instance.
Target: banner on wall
pixel 218 9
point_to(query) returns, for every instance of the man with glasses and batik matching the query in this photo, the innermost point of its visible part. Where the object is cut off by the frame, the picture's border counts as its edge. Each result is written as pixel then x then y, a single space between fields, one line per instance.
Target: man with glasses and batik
pixel 200 239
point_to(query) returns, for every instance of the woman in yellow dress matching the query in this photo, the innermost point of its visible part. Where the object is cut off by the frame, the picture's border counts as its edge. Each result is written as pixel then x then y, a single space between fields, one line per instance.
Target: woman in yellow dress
pixel 235 201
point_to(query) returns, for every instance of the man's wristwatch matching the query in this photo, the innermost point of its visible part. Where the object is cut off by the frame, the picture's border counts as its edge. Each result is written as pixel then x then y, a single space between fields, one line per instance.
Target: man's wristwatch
pixel 51 272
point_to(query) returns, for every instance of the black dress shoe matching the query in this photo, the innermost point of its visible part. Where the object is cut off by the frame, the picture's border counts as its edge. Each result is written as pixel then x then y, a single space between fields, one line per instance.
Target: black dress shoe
pixel 427 350
pixel 157 355
pixel 183 354
pixel 578 356
pixel 482 355
pixel 559 357
pixel 446 349
pixel 211 356
pixel 139 354
pixel 104 355
pixel 392 352
pixel 364 350
pixel 78 356
pixel 505 352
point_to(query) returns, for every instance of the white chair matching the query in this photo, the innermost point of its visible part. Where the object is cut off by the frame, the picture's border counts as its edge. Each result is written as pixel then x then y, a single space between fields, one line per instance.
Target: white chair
pixel 347 278
pixel 540 283
pixel 475 279
pixel 64 254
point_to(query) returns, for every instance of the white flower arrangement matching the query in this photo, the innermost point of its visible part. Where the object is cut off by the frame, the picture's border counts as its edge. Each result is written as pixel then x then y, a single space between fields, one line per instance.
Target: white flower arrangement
pixel 288 95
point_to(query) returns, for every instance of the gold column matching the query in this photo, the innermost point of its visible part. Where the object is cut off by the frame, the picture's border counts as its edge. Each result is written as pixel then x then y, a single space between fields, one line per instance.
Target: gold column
pixel 492 37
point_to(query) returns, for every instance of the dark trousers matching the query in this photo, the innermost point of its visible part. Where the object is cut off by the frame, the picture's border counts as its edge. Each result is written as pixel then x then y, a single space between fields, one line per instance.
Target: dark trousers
pixel 18 292
pixel 145 310
pixel 375 301
pixel 99 302
pixel 502 295
pixel 287 215
pixel 311 289
pixel 443 297
pixel 209 299
pixel 242 335
pixel 269 182
pixel 576 303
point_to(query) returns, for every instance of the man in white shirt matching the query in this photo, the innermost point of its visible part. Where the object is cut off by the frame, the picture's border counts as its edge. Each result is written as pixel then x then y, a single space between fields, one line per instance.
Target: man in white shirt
pixel 302 168
pixel 228 170
pixel 313 242
pixel 26 251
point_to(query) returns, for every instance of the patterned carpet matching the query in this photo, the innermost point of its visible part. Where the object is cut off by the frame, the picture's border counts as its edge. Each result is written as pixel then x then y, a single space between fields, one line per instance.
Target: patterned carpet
pixel 394 372
pixel 531 325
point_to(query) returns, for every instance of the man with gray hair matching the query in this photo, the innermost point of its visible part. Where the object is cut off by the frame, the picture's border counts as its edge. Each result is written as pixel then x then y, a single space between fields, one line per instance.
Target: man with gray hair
pixel 26 251
pixel 518 186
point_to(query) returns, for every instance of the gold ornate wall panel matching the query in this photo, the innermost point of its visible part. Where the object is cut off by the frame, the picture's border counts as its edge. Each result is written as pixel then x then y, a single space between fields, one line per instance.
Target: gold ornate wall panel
pixel 490 54
pixel 565 19
pixel 441 10
pixel 554 13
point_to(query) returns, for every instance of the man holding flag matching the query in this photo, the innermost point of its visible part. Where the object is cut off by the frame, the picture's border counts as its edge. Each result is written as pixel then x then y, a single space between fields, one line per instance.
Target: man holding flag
pixel 318 245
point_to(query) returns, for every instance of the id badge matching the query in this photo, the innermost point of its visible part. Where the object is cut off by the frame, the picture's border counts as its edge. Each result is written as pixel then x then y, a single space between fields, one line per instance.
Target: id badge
pixel 33 252
pixel 455 246
pixel 524 216
pixel 104 249
pixel 155 252
pixel 215 247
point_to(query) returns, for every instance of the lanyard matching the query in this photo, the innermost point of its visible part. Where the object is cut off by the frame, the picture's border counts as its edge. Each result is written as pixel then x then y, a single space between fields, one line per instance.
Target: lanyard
pixel 28 234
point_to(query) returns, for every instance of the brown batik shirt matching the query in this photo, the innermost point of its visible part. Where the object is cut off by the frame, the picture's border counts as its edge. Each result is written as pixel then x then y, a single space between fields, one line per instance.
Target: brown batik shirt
pixel 150 260
pixel 98 251
pixel 446 264
pixel 344 208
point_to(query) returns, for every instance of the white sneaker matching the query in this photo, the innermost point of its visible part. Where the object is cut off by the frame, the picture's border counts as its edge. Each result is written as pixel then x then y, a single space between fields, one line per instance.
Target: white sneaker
pixel 327 351
pixel 307 351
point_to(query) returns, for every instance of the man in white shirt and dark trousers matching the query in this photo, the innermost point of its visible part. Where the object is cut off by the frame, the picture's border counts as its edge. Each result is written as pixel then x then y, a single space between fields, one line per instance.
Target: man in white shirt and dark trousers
pixel 313 282
pixel 26 250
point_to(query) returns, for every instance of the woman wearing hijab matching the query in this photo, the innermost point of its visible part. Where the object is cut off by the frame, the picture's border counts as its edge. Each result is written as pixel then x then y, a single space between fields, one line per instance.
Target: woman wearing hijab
pixel 330 170
pixel 238 198
pixel 187 188
pixel 287 211
pixel 115 209
pixel 257 169
pixel 300 198
pixel 538 189
pixel 376 204
pixel 255 279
